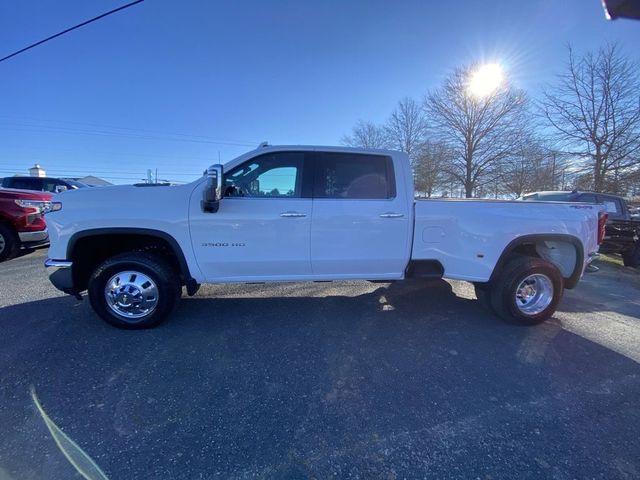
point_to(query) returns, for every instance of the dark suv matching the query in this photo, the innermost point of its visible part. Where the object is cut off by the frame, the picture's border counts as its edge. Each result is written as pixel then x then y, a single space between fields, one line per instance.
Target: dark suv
pixel 622 230
pixel 42 184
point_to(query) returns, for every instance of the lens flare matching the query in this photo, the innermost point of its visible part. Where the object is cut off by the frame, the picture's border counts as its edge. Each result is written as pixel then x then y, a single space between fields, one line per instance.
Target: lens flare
pixel 485 80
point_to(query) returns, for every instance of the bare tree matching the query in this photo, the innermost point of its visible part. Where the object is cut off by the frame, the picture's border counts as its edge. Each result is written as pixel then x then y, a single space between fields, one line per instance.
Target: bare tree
pixel 595 110
pixel 531 168
pixel 634 185
pixel 366 135
pixel 406 128
pixel 517 175
pixel 581 181
pixel 480 131
pixel 429 167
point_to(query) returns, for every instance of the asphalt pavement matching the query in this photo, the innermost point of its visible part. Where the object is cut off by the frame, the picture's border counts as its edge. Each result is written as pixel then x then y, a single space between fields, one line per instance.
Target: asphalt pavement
pixel 323 380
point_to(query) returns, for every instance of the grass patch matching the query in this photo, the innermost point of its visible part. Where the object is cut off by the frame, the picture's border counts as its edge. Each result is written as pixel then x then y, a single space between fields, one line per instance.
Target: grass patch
pixel 611 259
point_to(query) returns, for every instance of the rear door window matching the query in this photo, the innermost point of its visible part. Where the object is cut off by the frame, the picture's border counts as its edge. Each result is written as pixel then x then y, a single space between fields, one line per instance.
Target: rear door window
pixel 25 183
pixel 347 175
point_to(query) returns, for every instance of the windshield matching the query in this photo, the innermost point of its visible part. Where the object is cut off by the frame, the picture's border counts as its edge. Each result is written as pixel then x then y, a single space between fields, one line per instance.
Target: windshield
pixel 75 183
pixel 549 197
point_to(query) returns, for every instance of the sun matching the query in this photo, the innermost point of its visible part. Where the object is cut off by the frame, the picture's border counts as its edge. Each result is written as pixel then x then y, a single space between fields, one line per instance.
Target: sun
pixel 485 80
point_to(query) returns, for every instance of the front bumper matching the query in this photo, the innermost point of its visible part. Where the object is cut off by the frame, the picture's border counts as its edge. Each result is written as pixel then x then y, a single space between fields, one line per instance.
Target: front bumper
pixel 60 274
pixel 34 239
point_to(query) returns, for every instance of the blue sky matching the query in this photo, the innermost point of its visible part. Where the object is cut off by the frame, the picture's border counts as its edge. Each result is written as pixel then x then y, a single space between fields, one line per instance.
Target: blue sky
pixel 172 85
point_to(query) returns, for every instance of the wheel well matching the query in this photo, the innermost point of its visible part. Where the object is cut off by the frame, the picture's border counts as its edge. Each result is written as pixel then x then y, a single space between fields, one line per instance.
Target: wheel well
pixel 7 222
pixel 90 251
pixel 563 251
pixel 9 225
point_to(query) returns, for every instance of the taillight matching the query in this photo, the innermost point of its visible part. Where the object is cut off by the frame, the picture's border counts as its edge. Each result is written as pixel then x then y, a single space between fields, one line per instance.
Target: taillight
pixel 602 222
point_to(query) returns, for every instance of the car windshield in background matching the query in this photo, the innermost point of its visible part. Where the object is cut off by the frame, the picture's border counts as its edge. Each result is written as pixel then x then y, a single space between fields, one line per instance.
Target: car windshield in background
pixel 75 183
pixel 549 197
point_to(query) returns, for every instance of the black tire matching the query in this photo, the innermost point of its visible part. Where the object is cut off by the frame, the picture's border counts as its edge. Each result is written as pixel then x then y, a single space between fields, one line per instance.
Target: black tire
pixel 503 293
pixel 483 295
pixel 156 269
pixel 631 257
pixel 9 242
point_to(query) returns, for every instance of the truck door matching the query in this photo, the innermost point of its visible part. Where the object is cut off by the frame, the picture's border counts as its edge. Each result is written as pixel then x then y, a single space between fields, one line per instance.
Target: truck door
pixel 262 228
pixel 360 226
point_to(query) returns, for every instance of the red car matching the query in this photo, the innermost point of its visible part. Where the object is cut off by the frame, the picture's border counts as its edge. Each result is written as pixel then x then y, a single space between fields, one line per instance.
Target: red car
pixel 22 220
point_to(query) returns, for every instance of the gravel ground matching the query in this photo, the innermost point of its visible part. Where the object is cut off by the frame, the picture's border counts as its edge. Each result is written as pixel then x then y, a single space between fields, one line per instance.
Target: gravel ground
pixel 344 380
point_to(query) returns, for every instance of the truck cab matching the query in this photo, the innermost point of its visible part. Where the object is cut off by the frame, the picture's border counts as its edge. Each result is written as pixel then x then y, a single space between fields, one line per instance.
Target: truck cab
pixel 295 215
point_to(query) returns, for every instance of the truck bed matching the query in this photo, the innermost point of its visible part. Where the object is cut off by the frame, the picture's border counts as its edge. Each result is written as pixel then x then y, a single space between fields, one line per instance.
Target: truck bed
pixel 467 236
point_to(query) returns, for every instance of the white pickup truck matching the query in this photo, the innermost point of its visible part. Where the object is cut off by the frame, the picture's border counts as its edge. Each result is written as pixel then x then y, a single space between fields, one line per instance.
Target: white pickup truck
pixel 290 214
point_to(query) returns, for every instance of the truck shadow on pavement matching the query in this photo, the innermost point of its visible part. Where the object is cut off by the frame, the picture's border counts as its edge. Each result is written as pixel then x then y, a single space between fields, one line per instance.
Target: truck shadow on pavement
pixel 406 379
pixel 612 289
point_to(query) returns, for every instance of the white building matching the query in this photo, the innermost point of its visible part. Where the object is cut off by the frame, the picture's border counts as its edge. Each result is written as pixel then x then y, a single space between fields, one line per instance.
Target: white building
pixel 37 171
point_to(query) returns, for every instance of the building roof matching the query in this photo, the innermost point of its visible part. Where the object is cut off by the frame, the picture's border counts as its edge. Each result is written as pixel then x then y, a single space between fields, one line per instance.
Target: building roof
pixel 93 181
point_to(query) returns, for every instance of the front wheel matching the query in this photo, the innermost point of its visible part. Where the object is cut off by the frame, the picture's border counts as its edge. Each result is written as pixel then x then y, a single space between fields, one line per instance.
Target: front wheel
pixel 527 291
pixel 134 290
pixel 9 242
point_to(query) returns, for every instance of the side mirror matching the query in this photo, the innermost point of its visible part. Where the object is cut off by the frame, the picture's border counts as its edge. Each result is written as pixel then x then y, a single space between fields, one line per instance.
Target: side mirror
pixel 213 189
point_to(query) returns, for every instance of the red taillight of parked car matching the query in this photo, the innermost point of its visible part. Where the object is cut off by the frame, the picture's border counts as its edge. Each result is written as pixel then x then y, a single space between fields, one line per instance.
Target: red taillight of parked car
pixel 602 222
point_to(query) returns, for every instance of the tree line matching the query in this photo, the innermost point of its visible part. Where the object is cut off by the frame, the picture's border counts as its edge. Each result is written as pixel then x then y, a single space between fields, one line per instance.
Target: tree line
pixel 583 132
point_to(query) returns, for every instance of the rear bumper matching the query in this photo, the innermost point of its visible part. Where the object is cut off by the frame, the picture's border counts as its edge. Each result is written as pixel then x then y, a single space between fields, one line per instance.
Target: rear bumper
pixel 60 274
pixel 592 256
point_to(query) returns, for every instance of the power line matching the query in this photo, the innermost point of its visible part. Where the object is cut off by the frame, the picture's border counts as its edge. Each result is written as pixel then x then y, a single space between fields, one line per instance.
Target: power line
pixel 168 169
pixel 36 151
pixel 137 178
pixel 114 161
pixel 106 171
pixel 70 29
pixel 73 172
pixel 31 154
pixel 104 133
pixel 42 123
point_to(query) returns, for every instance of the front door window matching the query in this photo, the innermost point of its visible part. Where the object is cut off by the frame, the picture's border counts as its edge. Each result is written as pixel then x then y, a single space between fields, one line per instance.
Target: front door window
pixel 276 175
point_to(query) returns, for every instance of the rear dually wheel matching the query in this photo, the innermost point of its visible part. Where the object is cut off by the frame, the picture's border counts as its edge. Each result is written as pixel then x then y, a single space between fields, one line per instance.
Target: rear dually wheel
pixel 527 291
pixel 631 258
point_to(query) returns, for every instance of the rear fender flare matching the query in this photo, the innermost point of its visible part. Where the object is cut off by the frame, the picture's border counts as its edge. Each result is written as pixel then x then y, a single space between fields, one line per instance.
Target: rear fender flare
pixel 570 281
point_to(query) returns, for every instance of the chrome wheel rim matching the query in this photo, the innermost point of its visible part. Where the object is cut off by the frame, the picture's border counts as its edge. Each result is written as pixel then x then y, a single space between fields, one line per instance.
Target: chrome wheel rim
pixel 131 295
pixel 3 244
pixel 534 294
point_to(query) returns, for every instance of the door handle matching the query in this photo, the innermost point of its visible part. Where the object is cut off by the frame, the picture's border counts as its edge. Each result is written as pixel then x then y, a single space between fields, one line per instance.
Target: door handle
pixel 293 214
pixel 391 215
